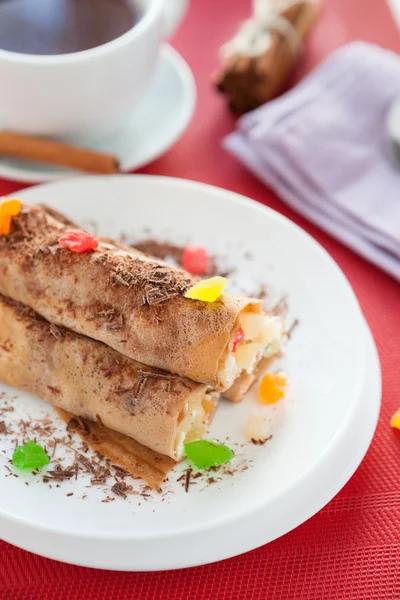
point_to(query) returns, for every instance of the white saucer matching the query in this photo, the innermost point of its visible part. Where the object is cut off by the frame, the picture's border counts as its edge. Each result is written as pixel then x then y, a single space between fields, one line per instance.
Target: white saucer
pixel 154 126
pixel 326 422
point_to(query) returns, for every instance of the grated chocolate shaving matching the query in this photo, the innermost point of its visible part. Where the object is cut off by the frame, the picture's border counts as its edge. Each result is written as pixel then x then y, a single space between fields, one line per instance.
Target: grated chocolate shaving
pixel 85 462
pixel 291 329
pixel 187 479
pixel 3 428
pixel 60 474
pixel 260 442
pixel 121 489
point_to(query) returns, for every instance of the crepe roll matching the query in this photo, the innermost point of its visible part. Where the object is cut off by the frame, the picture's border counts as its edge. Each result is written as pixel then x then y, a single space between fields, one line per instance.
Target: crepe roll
pixel 133 303
pixel 91 380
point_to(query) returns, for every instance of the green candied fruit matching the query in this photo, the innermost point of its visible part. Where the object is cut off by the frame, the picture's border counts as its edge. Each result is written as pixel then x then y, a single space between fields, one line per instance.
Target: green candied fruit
pixel 205 454
pixel 30 456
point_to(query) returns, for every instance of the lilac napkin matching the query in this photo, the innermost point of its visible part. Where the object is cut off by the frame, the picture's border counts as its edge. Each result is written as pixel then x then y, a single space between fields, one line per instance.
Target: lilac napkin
pixel 323 147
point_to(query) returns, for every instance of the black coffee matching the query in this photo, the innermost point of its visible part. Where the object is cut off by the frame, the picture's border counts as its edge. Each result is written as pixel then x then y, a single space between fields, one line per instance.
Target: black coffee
pixel 63 26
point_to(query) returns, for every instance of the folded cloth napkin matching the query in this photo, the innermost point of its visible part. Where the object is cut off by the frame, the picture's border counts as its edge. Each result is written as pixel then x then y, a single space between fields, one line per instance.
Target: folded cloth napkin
pixel 323 147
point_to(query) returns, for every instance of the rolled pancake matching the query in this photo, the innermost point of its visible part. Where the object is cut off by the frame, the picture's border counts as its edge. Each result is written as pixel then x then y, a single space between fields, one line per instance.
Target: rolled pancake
pixel 91 380
pixel 133 303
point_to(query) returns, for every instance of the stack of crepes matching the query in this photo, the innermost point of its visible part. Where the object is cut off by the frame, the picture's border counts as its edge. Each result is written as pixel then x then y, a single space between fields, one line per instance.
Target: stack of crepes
pixel 110 336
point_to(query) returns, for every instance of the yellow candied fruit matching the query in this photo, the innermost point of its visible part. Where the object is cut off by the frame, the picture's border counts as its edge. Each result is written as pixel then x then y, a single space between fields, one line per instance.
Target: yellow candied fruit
pixel 395 420
pixel 8 209
pixel 208 290
pixel 272 388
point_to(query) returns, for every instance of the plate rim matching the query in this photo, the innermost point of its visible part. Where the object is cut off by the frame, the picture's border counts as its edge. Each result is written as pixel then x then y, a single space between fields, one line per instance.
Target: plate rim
pixel 254 205
pixel 366 432
pixel 344 428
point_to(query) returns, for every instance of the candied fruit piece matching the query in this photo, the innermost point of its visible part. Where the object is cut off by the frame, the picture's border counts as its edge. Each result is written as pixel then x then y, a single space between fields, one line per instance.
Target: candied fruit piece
pixel 8 209
pixel 395 420
pixel 78 241
pixel 30 456
pixel 5 224
pixel 208 405
pixel 205 454
pixel 239 337
pixel 195 260
pixel 272 388
pixel 258 428
pixel 207 290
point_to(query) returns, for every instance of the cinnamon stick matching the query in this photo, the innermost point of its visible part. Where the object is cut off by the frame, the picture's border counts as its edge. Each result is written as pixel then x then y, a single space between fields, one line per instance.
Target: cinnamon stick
pixel 44 150
pixel 249 81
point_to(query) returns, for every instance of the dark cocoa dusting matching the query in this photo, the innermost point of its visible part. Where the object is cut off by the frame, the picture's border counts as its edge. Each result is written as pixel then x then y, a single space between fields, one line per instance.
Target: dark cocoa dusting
pixel 32 233
pixel 160 250
pixel 164 250
pixel 35 233
pixel 58 216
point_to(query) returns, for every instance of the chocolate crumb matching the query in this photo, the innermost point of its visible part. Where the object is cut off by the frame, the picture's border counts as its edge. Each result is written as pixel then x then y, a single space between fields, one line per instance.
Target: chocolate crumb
pixel 3 428
pixel 54 449
pixel 85 462
pixel 261 442
pixel 70 494
pixel 291 329
pixel 187 479
pixel 121 489
pixel 281 307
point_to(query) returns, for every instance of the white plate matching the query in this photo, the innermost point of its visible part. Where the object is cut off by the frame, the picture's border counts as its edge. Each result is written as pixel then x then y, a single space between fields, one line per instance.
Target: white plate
pixel 155 125
pixel 323 427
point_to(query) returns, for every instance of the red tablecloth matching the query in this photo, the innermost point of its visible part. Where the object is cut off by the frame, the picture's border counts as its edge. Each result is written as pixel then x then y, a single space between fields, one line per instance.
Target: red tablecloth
pixel 351 549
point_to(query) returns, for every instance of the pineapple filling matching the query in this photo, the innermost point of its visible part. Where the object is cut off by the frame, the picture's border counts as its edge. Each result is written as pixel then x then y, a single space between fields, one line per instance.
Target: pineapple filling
pixel 262 338
pixel 193 425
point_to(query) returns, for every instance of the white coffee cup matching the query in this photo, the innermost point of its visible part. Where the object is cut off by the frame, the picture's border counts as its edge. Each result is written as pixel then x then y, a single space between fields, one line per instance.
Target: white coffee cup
pixel 89 92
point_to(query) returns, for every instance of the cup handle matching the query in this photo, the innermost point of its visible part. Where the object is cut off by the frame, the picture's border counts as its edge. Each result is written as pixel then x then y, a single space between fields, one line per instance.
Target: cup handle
pixel 174 11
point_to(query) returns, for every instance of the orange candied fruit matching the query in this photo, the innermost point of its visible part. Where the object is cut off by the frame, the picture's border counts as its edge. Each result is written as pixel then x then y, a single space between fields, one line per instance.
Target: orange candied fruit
pixel 395 420
pixel 8 210
pixel 208 406
pixel 272 388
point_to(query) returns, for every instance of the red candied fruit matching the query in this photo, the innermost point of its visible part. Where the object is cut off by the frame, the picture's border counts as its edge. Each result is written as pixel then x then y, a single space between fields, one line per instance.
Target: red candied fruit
pixel 78 241
pixel 195 260
pixel 239 337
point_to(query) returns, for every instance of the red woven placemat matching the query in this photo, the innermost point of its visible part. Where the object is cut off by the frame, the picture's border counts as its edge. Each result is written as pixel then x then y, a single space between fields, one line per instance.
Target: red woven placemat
pixel 351 549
